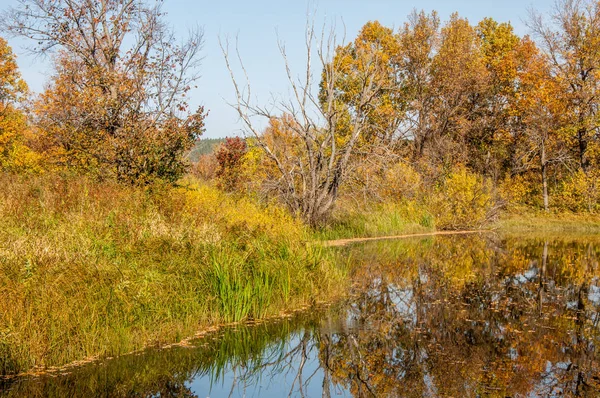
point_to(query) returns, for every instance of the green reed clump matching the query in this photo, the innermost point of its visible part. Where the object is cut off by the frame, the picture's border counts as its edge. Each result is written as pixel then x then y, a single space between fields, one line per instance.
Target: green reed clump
pixel 98 269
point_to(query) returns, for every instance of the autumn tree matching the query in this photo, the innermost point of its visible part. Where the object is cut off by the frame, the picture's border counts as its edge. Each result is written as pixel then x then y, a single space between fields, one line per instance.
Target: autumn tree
pixel 15 155
pixel 571 40
pixel 116 103
pixel 378 48
pixel 230 156
pixel 459 80
pixel 492 143
pixel 419 40
pixel 445 80
pixel 537 105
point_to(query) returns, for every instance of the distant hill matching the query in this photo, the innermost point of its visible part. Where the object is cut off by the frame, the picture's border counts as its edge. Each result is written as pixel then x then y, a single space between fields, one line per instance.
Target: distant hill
pixel 204 146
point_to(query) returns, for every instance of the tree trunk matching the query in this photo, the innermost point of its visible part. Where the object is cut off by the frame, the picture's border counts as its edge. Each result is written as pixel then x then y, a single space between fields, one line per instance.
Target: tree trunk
pixel 581 138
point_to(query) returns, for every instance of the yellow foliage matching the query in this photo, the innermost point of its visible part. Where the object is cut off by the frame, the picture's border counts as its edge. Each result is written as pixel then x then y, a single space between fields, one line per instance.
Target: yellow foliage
pixel 579 192
pixel 253 169
pixel 463 200
pixel 520 190
pixel 15 156
pixel 238 214
pixel 401 181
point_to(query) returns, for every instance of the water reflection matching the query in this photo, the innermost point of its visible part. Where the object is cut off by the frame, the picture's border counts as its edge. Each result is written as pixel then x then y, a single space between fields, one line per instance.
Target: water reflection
pixel 446 316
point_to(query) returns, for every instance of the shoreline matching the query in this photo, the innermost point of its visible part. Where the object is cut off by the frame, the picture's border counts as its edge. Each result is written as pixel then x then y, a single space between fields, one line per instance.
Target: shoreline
pixel 56 371
pixel 345 242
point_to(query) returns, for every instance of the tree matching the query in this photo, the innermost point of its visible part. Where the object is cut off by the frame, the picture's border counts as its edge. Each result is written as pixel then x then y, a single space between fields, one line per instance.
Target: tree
pixel 15 155
pixel 419 40
pixel 572 43
pixel 459 82
pixel 446 80
pixel 117 101
pixel 229 156
pixel 327 130
pixel 491 145
pixel 540 112
pixel 375 47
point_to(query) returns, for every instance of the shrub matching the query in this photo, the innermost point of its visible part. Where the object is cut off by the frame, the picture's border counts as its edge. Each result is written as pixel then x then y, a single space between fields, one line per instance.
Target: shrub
pixel 521 190
pixel 401 181
pixel 205 168
pixel 230 157
pixel 578 192
pixel 462 200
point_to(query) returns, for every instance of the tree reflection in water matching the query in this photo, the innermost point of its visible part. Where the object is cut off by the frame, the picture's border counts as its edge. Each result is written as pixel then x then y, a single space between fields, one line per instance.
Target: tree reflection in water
pixel 474 317
pixel 446 316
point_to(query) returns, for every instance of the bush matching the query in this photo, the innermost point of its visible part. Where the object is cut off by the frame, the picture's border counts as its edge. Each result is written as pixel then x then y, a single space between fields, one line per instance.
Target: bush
pixel 401 181
pixel 578 193
pixel 463 200
pixel 521 191
pixel 230 158
pixel 205 168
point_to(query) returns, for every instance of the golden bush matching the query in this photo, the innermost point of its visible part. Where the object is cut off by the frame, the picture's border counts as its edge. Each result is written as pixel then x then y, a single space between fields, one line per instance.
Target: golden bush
pixel 579 192
pixel 401 181
pixel 520 190
pixel 462 200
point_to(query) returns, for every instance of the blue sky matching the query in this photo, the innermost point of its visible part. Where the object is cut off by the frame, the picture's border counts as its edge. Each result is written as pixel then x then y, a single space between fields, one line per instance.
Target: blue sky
pixel 258 23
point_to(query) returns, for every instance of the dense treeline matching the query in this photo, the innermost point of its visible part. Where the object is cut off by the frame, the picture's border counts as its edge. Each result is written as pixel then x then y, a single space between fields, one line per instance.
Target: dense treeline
pixel 435 108
pixel 460 118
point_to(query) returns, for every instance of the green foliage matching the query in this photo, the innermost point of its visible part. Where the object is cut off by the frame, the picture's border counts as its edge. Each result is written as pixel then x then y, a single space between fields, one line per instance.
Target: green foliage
pixel 550 223
pixel 145 155
pixel 386 219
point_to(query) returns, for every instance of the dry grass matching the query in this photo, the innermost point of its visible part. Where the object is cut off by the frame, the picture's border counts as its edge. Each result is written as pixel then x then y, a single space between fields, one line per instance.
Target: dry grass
pixel 564 222
pixel 97 269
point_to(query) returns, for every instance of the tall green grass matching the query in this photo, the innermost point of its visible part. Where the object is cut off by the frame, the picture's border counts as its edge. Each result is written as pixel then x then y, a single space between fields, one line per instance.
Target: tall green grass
pixel 97 269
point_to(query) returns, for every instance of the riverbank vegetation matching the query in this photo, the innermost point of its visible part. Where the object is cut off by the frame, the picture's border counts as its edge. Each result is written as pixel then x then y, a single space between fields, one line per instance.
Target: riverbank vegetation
pixel 92 269
pixel 112 239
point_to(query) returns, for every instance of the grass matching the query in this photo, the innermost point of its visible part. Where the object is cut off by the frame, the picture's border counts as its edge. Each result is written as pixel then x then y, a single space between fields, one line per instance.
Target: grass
pixel 93 269
pixel 381 220
pixel 541 222
pixel 389 219
pixel 97 269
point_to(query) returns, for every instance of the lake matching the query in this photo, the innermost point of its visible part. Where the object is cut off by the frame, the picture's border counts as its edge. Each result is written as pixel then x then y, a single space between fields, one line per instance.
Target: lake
pixel 453 316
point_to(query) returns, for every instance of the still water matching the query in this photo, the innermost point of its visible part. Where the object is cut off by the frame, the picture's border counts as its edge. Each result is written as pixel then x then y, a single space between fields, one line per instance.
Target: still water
pixel 462 316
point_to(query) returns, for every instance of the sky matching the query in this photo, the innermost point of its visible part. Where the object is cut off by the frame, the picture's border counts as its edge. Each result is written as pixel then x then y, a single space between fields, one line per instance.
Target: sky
pixel 259 23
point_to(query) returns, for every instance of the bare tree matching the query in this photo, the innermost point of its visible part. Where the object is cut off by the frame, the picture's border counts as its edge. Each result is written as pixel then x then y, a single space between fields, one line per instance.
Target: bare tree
pixel 320 131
